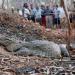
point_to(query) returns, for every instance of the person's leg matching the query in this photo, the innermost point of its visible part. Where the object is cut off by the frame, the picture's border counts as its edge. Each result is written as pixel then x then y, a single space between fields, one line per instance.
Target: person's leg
pixel 50 21
pixel 38 20
pixel 47 21
pixel 33 18
pixel 59 26
pixel 55 22
pixel 43 21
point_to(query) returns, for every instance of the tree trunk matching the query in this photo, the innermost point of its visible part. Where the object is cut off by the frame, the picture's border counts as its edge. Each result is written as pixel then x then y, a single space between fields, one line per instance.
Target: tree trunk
pixel 63 4
pixel 3 1
pixel 7 4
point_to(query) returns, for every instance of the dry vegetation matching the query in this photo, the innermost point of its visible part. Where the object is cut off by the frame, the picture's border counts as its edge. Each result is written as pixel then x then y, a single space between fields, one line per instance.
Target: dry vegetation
pixel 17 24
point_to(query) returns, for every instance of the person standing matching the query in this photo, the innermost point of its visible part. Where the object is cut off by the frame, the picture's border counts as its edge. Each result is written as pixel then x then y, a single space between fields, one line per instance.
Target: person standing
pixel 25 11
pixel 32 12
pixel 37 13
pixel 43 16
pixel 56 19
pixel 48 14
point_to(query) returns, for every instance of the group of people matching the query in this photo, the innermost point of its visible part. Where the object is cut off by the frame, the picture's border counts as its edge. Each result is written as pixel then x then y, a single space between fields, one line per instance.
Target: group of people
pixel 44 14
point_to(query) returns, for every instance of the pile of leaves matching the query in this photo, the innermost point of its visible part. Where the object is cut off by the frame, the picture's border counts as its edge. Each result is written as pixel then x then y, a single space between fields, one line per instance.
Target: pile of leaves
pixel 16 24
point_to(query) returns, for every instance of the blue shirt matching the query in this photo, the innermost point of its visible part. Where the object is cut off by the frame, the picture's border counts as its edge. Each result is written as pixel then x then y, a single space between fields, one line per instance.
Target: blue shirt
pixel 33 12
pixel 56 13
pixel 37 13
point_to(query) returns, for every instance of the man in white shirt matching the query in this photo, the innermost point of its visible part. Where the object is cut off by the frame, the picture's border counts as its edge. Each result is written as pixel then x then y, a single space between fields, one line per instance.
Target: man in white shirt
pixel 56 19
pixel 62 12
pixel 26 12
